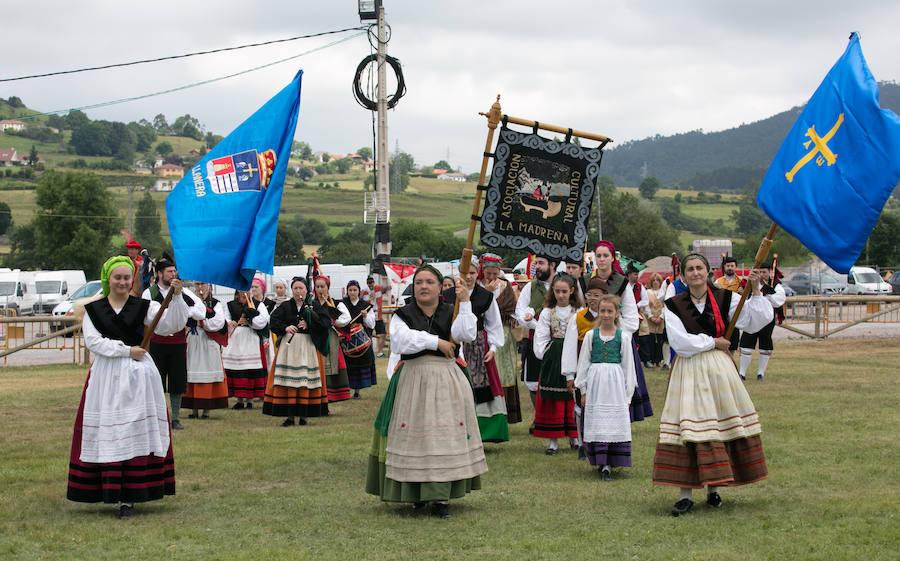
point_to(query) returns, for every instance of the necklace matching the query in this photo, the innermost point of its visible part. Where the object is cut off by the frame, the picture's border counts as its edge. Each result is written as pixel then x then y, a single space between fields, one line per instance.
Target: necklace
pixel 698 298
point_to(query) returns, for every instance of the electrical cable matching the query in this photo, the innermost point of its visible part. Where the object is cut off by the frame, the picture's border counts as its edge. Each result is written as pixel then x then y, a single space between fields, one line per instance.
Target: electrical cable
pixel 193 85
pixel 174 57
pixel 392 99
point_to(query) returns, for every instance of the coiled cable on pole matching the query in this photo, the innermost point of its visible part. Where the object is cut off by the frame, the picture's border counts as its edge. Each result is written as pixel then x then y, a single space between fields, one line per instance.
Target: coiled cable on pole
pixel 392 99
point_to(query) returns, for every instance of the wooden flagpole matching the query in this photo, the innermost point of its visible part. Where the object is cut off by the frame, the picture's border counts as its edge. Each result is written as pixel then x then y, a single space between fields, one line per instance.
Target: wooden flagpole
pixel 148 331
pixel 761 255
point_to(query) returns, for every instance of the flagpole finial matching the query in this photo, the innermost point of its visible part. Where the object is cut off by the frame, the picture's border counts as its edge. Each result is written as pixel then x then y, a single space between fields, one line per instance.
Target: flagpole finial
pixel 854 35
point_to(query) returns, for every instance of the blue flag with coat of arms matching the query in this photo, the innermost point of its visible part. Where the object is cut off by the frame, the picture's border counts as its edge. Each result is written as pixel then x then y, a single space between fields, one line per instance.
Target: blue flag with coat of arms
pixel 223 214
pixel 838 165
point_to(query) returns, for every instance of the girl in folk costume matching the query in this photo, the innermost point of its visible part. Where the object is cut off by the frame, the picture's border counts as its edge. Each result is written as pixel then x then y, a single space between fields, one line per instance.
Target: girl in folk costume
pixel 506 356
pixel 609 270
pixel 121 445
pixel 354 311
pixel 206 388
pixel 296 384
pixel 656 324
pixel 426 444
pixel 709 431
pixel 490 406
pixel 337 385
pixel 244 357
pixel 554 411
pixel 606 380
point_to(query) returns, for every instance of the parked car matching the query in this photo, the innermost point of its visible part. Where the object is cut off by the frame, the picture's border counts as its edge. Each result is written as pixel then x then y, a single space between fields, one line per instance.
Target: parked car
pixel 865 280
pixel 825 284
pixel 81 296
pixel 52 287
pixel 894 281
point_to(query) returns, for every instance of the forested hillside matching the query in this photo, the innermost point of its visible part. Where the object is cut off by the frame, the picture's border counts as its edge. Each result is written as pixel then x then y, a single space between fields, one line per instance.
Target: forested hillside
pixel 717 161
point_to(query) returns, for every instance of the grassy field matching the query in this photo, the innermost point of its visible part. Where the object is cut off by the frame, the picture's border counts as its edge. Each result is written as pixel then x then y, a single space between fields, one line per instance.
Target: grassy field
pixel 249 489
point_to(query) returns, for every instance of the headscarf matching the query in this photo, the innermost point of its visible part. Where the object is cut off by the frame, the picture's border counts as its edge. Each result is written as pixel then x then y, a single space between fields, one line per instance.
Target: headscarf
pixel 612 249
pixel 353 283
pixel 430 269
pixel 489 260
pixel 112 263
pixel 297 279
pixel 262 284
pixel 324 278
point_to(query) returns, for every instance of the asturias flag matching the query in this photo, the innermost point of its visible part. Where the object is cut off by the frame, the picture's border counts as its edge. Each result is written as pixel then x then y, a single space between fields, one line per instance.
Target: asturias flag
pixel 838 165
pixel 223 214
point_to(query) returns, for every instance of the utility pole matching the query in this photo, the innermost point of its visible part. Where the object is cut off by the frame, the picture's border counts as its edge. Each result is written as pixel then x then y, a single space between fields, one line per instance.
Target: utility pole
pixel 382 191
pixel 130 213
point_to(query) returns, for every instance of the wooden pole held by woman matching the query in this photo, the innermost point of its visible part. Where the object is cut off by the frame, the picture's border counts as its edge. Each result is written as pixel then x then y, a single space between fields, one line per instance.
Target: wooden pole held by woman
pixel 761 254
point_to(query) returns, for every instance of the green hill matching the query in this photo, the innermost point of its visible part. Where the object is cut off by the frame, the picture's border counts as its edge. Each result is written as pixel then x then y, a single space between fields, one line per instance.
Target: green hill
pixel 716 161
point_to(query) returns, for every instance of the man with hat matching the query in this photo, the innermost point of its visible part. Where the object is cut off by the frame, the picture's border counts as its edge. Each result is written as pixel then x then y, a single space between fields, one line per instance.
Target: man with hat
pixel 576 269
pixel 169 352
pixel 528 309
pixel 731 281
pixel 770 287
pixel 134 253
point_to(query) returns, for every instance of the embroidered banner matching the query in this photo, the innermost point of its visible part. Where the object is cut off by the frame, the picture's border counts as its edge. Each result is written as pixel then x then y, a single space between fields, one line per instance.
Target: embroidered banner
pixel 540 195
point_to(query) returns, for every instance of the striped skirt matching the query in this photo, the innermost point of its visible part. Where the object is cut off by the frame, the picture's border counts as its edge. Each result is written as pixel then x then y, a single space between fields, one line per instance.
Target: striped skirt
pixel 212 395
pixel 709 431
pixel 337 384
pixel 296 383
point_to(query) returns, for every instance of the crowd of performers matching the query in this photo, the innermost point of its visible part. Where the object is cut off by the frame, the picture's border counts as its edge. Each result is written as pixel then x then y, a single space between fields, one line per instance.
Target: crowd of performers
pixel 454 367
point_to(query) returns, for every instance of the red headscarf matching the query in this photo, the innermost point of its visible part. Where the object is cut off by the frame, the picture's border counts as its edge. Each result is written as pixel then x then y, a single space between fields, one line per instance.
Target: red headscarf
pixel 612 250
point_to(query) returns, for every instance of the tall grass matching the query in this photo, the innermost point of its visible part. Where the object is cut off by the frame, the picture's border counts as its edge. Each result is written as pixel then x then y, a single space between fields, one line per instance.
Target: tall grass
pixel 249 489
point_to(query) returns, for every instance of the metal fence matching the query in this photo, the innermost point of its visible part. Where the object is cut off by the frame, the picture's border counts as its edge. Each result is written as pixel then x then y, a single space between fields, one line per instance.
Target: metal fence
pixel 821 316
pixel 42 333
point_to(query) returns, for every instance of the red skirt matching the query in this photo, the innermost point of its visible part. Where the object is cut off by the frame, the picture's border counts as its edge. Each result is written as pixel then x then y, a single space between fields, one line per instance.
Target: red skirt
pixel 554 418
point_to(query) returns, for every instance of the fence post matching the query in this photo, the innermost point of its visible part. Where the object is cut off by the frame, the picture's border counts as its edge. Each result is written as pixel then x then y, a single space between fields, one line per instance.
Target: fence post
pixel 818 330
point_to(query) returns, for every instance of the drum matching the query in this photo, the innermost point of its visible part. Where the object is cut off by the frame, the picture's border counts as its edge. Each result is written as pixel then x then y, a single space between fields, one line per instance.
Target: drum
pixel 355 342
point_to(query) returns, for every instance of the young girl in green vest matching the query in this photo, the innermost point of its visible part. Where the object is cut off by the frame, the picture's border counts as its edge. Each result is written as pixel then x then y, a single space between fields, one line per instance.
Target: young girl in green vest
pixel 606 378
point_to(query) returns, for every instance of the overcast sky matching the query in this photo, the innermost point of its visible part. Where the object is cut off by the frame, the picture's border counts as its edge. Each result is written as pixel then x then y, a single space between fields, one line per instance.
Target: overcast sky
pixel 625 69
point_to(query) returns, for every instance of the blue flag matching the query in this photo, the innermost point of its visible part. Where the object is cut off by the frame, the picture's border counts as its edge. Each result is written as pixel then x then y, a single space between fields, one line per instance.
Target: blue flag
pixel 223 215
pixel 838 165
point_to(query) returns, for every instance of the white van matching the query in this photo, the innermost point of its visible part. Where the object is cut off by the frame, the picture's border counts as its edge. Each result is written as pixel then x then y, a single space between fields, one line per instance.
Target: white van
pixel 16 291
pixel 865 280
pixel 52 287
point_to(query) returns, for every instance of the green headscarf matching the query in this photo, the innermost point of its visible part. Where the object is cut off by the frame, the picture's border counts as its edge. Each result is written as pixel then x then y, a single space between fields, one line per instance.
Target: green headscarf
pixel 108 267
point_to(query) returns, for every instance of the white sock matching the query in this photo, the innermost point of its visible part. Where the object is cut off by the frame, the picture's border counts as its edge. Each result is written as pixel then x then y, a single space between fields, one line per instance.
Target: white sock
pixel 606 468
pixel 686 493
pixel 575 442
pixel 553 444
pixel 746 357
pixel 764 357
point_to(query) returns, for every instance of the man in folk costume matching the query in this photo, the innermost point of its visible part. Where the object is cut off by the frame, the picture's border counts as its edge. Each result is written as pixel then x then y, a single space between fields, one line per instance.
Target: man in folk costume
pixel 134 253
pixel 528 309
pixel 731 281
pixel 490 406
pixel 506 357
pixel 206 385
pixel 771 289
pixel 169 352
pixel 576 269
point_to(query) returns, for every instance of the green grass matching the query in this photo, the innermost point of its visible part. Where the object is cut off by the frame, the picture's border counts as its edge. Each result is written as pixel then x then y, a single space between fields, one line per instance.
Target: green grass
pixel 710 211
pixel 248 489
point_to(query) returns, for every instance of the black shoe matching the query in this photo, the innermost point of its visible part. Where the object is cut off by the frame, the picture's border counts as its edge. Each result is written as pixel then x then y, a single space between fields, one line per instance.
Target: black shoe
pixel 682 507
pixel 125 511
pixel 574 446
pixel 714 500
pixel 204 416
pixel 301 421
pixel 531 429
pixel 238 405
pixel 759 377
pixel 193 416
pixel 441 510
pixel 355 395
pixel 249 405
pixel 419 505
pixel 582 455
pixel 551 451
pixel 744 378
pixel 176 425
pixel 605 475
pixel 288 423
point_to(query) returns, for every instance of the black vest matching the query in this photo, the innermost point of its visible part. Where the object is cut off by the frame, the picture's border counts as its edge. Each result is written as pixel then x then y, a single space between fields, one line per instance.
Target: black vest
pixel 126 326
pixel 355 310
pixel 695 322
pixel 438 324
pixel 481 299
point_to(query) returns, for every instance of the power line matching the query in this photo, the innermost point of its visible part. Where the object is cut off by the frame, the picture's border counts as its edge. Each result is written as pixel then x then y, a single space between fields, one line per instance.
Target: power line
pixel 195 84
pixel 173 57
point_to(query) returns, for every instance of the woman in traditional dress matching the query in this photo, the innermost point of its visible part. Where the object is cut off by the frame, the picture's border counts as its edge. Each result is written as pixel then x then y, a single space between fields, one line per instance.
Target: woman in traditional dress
pixel 506 356
pixel 296 383
pixel 554 415
pixel 709 431
pixel 609 270
pixel 121 445
pixel 355 311
pixel 258 293
pixel 606 381
pixel 281 294
pixel 243 358
pixel 206 387
pixel 426 445
pixel 337 385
